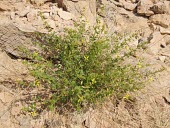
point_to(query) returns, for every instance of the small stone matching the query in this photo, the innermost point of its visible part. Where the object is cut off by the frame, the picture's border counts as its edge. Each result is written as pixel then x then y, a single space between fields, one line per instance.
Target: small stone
pixel 163 44
pixel 24 19
pixel 46 15
pixel 51 23
pixel 25 11
pixel 165 30
pixel 141 10
pixel 26 28
pixel 134 1
pixel 54 10
pixel 65 15
pixel 32 15
pixel 123 11
pixel 134 43
pixel 4 7
pixel 129 6
pixel 45 11
pixel 57 18
pixel 38 23
pixel 162 58
pixel 12 16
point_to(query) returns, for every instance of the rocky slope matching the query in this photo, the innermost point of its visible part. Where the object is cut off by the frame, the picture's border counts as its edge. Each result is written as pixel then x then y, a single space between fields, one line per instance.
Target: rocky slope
pixel 150 19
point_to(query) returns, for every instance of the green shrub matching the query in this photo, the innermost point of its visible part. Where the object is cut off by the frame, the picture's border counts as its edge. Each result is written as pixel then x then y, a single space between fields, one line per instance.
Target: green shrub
pixel 83 67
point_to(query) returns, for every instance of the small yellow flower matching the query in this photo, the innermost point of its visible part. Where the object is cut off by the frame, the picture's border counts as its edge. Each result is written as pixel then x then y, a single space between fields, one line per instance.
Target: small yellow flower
pixel 139 65
pixel 33 114
pixel 150 79
pixel 80 99
pixel 135 90
pixel 86 58
pixel 126 97
pixel 93 81
pixel 37 83
pixel 35 54
pixel 127 47
pixel 117 56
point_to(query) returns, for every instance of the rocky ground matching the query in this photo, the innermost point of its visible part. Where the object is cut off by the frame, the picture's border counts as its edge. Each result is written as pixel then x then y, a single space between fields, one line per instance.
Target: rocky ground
pixel 150 19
